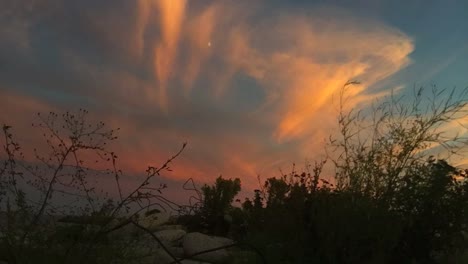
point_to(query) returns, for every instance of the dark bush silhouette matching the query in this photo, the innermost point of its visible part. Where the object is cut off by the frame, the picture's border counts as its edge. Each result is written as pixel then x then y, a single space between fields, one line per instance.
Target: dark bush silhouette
pixel 425 223
pixel 35 195
pixel 390 200
pixel 216 211
pixel 393 203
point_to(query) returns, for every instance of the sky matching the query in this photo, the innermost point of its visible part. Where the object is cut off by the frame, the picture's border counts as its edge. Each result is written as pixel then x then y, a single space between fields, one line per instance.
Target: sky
pixel 249 85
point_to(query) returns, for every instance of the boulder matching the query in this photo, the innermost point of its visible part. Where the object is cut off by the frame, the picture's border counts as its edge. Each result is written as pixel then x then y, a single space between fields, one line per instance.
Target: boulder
pixel 170 236
pixel 177 251
pixel 153 221
pixel 197 242
pixel 192 261
pixel 169 227
pixel 162 257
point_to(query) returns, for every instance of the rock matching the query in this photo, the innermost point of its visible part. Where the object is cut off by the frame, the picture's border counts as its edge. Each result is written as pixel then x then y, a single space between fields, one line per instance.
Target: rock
pixel 177 251
pixel 124 230
pixel 192 261
pixel 197 242
pixel 162 257
pixel 153 221
pixel 170 235
pixel 169 227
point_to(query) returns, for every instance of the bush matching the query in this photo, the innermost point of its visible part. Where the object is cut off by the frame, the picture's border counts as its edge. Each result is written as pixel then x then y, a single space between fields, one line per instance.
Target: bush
pixel 216 212
pixel 391 200
pixel 36 195
pixel 393 203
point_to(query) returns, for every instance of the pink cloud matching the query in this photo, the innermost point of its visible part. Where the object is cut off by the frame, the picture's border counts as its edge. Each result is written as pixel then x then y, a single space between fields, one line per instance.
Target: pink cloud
pixel 172 71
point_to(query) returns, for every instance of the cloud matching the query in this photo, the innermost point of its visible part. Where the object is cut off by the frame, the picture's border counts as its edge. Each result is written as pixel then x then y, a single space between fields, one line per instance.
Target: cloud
pixel 171 14
pixel 249 91
pixel 313 59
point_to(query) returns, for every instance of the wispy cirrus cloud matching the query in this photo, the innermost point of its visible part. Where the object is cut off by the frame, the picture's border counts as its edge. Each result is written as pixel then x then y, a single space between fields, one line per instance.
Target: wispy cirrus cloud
pixel 249 91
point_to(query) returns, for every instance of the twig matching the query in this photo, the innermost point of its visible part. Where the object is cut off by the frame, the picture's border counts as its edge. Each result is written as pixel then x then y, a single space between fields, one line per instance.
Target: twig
pixel 158 240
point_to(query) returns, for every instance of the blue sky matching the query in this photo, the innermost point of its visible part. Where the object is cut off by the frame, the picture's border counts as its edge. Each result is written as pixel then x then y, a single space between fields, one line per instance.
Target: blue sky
pixel 249 85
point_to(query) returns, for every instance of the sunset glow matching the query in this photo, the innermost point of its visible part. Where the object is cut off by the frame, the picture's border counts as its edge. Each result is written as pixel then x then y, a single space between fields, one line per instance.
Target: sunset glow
pixel 252 87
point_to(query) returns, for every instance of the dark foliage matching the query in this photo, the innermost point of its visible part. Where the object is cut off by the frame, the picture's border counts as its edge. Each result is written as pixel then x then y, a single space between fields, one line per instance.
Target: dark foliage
pixel 424 223
pixel 390 200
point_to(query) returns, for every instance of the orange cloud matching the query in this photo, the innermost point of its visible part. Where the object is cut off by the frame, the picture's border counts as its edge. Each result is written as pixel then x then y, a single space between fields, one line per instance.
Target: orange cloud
pixel 199 34
pixel 315 58
pixel 294 65
pixel 299 62
pixel 171 15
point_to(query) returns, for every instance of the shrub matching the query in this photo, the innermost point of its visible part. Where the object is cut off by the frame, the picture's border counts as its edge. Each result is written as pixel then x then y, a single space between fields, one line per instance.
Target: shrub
pixel 35 195
pixel 393 203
